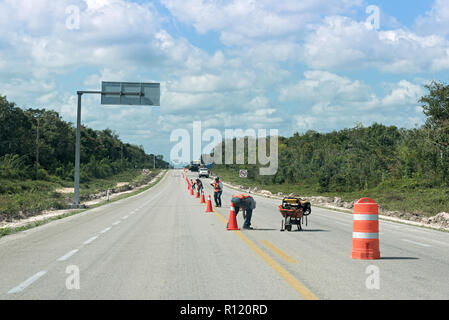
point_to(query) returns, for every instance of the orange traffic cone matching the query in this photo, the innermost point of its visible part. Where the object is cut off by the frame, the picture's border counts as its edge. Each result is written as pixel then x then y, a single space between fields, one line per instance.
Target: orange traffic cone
pixel 232 223
pixel 191 191
pixel 209 206
pixel 202 198
pixel 197 194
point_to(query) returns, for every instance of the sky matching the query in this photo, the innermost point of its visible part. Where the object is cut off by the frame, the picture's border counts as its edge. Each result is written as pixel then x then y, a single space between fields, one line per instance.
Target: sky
pixel 290 65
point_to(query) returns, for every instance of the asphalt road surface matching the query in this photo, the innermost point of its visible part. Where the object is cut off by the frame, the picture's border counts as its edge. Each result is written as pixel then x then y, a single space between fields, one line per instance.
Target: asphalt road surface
pixel 161 244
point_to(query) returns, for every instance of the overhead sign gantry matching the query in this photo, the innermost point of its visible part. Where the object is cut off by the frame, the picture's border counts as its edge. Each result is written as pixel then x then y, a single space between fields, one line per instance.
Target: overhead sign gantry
pixel 114 93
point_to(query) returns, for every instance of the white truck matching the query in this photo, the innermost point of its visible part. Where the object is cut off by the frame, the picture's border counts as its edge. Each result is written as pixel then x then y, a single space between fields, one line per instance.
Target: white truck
pixel 203 172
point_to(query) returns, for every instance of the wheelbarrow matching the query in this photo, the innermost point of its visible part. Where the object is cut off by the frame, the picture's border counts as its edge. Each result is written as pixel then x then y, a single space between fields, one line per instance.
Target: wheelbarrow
pixel 294 211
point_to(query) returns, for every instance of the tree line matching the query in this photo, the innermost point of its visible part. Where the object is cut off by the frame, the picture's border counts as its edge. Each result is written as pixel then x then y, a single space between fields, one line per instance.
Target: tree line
pixel 38 144
pixel 363 157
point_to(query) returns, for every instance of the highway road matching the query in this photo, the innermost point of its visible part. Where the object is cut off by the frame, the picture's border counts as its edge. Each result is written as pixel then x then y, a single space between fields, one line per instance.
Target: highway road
pixel 161 244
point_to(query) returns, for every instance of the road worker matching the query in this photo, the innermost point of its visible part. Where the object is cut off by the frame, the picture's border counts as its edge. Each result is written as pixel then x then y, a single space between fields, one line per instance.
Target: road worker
pixel 199 184
pixel 248 204
pixel 218 190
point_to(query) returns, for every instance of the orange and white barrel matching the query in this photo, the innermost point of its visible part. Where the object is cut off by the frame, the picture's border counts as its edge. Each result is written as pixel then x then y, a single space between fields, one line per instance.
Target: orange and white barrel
pixel 365 235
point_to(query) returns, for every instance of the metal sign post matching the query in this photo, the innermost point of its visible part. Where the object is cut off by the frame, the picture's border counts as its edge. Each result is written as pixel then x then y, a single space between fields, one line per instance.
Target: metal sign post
pixel 113 93
pixel 76 201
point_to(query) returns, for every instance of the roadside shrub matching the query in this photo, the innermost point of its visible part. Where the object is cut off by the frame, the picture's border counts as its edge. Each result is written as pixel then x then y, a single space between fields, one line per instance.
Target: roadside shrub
pixel 12 166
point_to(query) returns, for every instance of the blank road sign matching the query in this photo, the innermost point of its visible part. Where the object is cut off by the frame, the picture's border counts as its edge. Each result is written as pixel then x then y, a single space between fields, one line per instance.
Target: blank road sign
pixel 131 93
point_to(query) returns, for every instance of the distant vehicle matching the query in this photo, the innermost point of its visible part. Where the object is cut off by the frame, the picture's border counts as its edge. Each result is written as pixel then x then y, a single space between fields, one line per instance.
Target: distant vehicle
pixel 203 172
pixel 195 165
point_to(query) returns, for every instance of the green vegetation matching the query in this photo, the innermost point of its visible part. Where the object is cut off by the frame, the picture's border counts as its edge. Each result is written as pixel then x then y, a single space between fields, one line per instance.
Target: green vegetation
pixel 37 152
pixel 403 169
pixel 139 180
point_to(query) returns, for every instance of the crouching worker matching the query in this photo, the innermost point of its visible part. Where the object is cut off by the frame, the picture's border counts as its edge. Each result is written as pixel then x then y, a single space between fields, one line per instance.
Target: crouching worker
pixel 248 204
pixel 199 183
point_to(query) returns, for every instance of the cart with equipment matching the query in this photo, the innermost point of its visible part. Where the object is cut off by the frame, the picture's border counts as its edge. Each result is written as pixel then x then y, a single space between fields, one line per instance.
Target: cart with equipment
pixel 294 211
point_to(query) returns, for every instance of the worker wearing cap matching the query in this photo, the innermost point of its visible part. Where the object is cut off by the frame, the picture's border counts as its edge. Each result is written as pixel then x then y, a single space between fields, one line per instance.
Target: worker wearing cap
pixel 248 204
pixel 218 190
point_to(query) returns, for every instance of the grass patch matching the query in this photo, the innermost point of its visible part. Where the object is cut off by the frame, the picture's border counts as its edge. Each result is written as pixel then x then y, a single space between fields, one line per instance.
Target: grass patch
pixel 9 231
pixel 22 199
pixel 133 176
pixel 411 196
pixel 136 192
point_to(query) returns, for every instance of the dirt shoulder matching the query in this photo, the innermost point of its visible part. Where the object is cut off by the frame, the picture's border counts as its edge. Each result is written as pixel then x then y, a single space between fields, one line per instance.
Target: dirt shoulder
pixel 438 222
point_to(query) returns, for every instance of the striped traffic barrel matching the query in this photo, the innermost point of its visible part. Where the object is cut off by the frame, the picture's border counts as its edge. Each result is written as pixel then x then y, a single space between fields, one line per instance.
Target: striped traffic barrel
pixel 365 235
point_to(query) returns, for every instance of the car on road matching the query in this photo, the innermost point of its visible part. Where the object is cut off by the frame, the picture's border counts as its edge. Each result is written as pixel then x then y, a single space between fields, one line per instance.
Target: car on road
pixel 203 172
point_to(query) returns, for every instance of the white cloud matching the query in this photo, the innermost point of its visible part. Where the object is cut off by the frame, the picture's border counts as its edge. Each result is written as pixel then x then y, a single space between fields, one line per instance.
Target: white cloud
pixel 435 21
pixel 326 86
pixel 342 43
pixel 327 101
pixel 235 86
pixel 240 22
pixel 212 83
pixel 404 93
pixel 36 35
pixel 29 90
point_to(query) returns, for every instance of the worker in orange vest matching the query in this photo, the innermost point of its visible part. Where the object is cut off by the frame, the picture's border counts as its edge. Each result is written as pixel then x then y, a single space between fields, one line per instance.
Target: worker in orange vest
pixel 248 204
pixel 218 190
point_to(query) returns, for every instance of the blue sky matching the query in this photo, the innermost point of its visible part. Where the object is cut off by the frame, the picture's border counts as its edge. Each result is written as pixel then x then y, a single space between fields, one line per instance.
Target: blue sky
pixel 289 65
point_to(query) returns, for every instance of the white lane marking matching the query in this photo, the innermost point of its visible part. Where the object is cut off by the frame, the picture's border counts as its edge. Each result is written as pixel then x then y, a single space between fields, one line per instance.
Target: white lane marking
pixel 116 223
pixel 343 224
pixel 90 240
pixel 417 243
pixel 391 224
pixel 125 217
pixel 439 242
pixel 105 230
pixel 347 220
pixel 68 255
pixel 27 283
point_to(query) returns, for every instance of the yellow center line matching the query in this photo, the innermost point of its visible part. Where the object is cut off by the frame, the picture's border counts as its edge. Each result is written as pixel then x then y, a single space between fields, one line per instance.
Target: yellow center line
pixel 221 217
pixel 279 252
pixel 291 280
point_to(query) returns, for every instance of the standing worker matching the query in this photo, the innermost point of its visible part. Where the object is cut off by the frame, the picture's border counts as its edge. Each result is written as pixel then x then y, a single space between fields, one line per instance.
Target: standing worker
pixel 218 190
pixel 248 204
